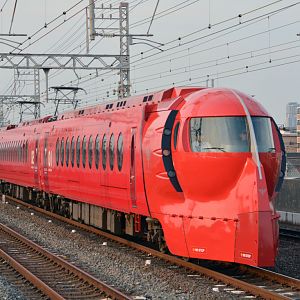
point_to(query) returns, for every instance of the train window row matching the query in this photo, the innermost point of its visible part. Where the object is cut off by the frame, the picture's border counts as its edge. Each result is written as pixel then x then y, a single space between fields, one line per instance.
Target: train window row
pixel 16 151
pixel 87 151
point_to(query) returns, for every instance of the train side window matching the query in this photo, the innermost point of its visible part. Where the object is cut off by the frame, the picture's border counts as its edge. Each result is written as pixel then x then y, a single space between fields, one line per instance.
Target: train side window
pixel 104 152
pixel 72 151
pixel 97 152
pixel 120 151
pixel 67 151
pixel 18 151
pixel 46 152
pixel 111 151
pixel 176 135
pixel 84 151
pixel 90 150
pixel 78 152
pixel 57 152
pixel 62 151
pixel 26 152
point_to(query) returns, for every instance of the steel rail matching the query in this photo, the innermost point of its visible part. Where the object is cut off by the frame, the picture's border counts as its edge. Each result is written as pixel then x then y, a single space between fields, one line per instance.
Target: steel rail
pixel 82 275
pixel 39 284
pixel 290 233
pixel 282 279
pixel 237 283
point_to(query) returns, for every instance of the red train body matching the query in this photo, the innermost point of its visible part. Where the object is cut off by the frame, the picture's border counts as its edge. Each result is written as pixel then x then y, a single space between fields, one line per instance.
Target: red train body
pixel 197 168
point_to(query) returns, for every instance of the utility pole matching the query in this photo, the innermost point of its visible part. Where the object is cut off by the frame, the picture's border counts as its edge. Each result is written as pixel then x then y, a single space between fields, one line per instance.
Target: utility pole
pixel 126 39
pixel 123 28
pixel 124 84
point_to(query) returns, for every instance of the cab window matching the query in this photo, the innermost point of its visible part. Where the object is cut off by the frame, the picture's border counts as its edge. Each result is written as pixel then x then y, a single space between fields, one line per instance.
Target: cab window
pixel 263 133
pixel 219 134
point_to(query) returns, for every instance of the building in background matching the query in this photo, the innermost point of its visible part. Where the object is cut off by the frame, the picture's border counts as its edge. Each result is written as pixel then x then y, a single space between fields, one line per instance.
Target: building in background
pixel 290 140
pixel 291 116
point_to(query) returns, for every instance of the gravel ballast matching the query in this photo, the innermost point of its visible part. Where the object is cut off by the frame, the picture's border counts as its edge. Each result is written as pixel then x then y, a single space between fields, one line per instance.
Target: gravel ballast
pixel 8 291
pixel 120 266
pixel 288 259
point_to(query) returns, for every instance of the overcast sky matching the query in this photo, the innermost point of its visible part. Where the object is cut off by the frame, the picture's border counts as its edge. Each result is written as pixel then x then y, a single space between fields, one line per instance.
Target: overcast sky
pixel 257 53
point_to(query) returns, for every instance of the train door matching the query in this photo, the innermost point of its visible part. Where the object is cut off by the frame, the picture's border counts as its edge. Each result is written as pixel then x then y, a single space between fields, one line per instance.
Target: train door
pixel 132 167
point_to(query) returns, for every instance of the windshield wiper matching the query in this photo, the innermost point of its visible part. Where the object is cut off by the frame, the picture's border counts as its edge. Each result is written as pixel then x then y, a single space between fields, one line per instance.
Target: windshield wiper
pixel 216 148
pixel 271 149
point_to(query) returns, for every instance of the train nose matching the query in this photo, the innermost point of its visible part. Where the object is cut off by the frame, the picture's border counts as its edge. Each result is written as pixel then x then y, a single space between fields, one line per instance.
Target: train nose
pixel 255 242
pixel 257 231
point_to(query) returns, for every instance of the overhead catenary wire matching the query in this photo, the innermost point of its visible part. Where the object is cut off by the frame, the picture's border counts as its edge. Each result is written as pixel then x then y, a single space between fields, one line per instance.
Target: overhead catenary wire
pixel 67 45
pixel 153 16
pixel 13 16
pixel 2 7
pixel 227 20
pixel 264 15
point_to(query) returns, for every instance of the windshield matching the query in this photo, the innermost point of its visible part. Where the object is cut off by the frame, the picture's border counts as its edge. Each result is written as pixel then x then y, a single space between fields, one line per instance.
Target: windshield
pixel 219 134
pixel 229 134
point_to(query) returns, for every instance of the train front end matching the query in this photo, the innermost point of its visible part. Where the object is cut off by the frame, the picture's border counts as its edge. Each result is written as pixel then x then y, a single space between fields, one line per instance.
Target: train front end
pixel 223 164
pixel 227 157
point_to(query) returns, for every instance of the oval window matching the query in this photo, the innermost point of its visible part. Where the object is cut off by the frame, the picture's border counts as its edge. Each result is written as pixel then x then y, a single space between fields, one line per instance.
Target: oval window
pixel 62 152
pixel 26 151
pixel 104 152
pixel 67 152
pixel 72 151
pixel 120 151
pixel 111 151
pixel 57 152
pixel 84 151
pixel 90 151
pixel 78 152
pixel 97 152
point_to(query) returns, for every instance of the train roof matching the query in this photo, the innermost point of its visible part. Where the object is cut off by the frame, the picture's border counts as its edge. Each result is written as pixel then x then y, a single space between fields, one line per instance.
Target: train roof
pixel 166 96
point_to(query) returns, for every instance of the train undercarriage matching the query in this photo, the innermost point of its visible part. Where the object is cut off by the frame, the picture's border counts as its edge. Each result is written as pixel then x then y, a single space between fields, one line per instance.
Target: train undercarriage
pixel 116 222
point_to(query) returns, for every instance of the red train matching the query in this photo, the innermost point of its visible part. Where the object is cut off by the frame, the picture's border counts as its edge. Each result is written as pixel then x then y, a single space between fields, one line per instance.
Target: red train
pixel 194 169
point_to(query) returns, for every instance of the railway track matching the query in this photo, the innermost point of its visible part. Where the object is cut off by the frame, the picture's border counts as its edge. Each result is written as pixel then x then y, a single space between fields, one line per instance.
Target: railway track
pixel 290 233
pixel 53 276
pixel 27 289
pixel 255 281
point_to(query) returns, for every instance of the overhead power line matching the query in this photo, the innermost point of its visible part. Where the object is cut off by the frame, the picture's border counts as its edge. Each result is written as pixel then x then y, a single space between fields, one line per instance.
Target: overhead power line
pixel 13 16
pixel 3 5
pixel 153 16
